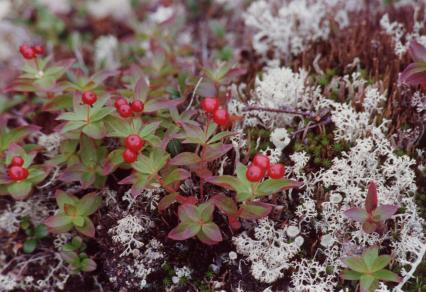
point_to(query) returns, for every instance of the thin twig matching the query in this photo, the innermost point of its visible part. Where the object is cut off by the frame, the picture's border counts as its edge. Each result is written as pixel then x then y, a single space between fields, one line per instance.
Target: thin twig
pixel 287 110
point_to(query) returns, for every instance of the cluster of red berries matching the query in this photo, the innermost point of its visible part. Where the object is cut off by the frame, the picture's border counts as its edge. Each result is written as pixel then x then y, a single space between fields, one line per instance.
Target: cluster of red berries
pixel 126 109
pixel 15 171
pixel 211 106
pixel 89 97
pixel 133 144
pixel 31 52
pixel 261 166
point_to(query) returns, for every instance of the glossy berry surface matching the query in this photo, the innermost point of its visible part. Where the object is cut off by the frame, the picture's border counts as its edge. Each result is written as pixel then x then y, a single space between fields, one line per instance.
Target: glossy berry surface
pixel 261 161
pixel 134 143
pixel 210 104
pixel 17 173
pixel 276 171
pixel 120 101
pixel 137 106
pixel 125 110
pixel 89 97
pixel 27 52
pixel 17 161
pixel 221 117
pixel 254 173
pixel 39 50
pixel 129 156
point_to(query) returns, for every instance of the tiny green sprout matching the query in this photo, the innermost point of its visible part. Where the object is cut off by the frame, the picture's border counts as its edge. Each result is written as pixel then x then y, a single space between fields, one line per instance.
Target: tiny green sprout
pixel 34 234
pixel 74 212
pixel 368 269
pixel 72 253
pixel 197 221
pixel 372 217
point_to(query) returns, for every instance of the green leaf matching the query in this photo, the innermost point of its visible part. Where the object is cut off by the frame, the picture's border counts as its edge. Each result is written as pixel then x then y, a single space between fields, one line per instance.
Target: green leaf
pixel 185 158
pixel 271 186
pixel 255 210
pixel 88 265
pixel 348 274
pixel 381 262
pixel 225 204
pixel 20 190
pixel 386 275
pixel 369 256
pixel 63 198
pixel 59 223
pixel 41 231
pixel 94 130
pixel 177 174
pixel 193 134
pixel 87 229
pixel 36 174
pixel 205 211
pixel 89 204
pixel 30 245
pixel 367 283
pixel 184 231
pixel 166 201
pixel 153 164
pixel 100 114
pixel 220 136
pixel 212 231
pixel 78 221
pixel 88 151
pixel 384 212
pixel 369 227
pixel 71 126
pixel 356 214
pixel 356 263
pixel 188 213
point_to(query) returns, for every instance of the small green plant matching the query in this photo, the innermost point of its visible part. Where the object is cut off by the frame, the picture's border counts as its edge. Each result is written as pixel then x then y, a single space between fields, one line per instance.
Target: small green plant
pixel 372 217
pixel 197 221
pixel 73 253
pixel 74 212
pixel 368 269
pixel 34 234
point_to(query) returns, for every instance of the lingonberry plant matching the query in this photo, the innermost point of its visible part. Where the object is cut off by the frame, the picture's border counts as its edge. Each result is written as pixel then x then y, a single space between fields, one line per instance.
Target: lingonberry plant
pixel 369 269
pixel 73 253
pixel 34 234
pixel 372 217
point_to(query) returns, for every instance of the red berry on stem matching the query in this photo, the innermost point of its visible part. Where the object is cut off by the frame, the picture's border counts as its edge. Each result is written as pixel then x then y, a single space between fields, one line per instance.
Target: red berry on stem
pixel 221 117
pixel 276 170
pixel 39 50
pixel 27 52
pixel 125 110
pixel 129 156
pixel 254 173
pixel 210 104
pixel 120 101
pixel 17 173
pixel 17 161
pixel 89 97
pixel 262 161
pixel 134 143
pixel 137 106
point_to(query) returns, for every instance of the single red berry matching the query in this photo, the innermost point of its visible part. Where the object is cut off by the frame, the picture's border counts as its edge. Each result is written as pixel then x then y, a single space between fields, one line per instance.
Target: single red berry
pixel 27 52
pixel 276 170
pixel 137 106
pixel 39 50
pixel 134 143
pixel 17 161
pixel 120 101
pixel 17 173
pixel 89 97
pixel 262 161
pixel 254 173
pixel 129 156
pixel 210 104
pixel 125 110
pixel 221 117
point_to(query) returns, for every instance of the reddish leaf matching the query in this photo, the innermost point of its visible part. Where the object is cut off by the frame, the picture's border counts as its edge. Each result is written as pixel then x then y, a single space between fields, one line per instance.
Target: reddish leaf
pixel 177 174
pixel 369 227
pixel 212 232
pixel 216 151
pixel 188 213
pixel 166 201
pixel 205 211
pixel 87 229
pixel 185 158
pixel 371 200
pixel 255 210
pixel 414 74
pixel 58 223
pixel 225 204
pixel 357 214
pixel 89 204
pixel 184 231
pixel 384 212
pixel 417 51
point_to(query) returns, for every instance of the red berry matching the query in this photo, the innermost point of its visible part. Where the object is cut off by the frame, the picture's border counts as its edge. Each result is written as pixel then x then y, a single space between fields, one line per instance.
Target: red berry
pixel 27 52
pixel 276 170
pixel 120 101
pixel 210 104
pixel 125 110
pixel 17 161
pixel 17 173
pixel 129 156
pixel 39 50
pixel 134 143
pixel 137 106
pixel 261 160
pixel 89 97
pixel 254 173
pixel 221 117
